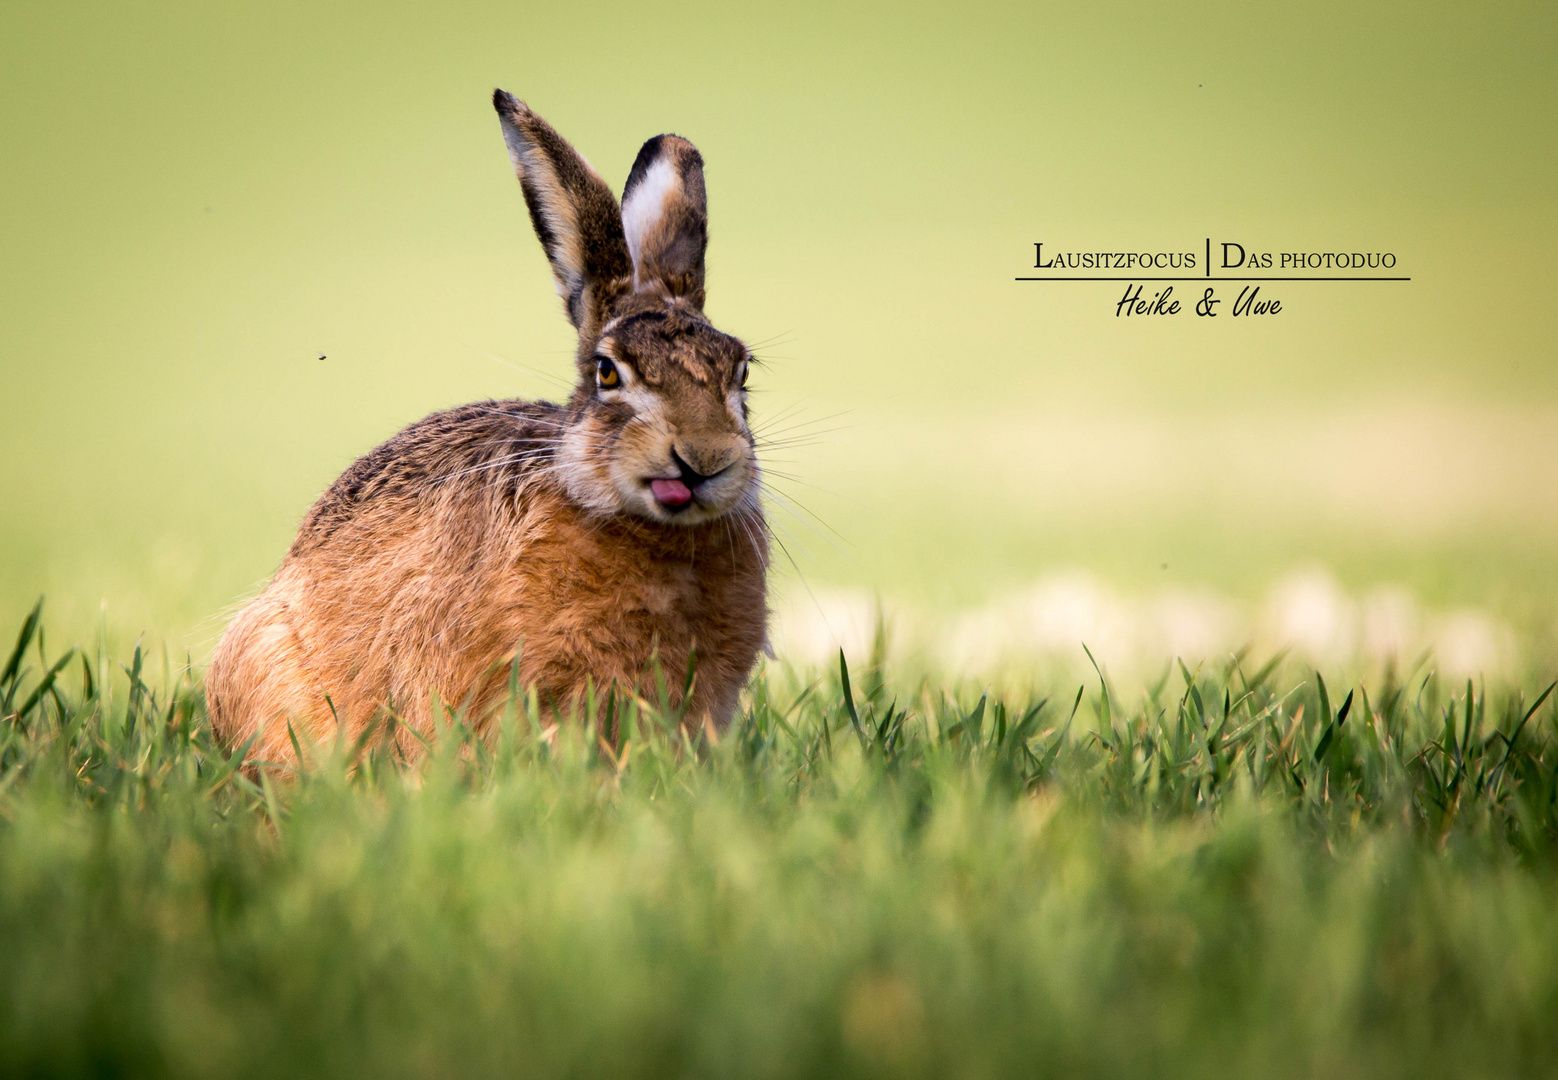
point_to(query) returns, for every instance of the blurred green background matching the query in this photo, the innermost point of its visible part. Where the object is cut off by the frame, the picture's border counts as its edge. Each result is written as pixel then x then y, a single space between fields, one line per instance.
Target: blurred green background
pixel 198 200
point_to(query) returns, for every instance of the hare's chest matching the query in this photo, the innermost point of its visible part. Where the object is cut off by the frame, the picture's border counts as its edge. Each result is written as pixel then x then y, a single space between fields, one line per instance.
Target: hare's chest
pixel 587 609
pixel 665 590
pixel 595 589
pixel 652 603
pixel 593 602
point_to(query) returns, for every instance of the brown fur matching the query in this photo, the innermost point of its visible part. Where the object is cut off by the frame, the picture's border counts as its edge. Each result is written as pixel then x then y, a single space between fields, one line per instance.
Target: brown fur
pixel 515 529
pixel 672 247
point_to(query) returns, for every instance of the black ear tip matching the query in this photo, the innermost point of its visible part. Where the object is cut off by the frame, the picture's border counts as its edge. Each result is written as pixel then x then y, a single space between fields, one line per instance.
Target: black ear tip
pixel 504 102
pixel 646 157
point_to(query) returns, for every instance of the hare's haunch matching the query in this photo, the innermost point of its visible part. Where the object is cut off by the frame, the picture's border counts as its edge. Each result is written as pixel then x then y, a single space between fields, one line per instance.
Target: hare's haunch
pixel 594 540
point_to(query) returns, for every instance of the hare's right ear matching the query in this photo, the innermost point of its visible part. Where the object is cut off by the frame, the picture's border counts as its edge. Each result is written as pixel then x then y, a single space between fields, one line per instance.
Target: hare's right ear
pixel 665 212
pixel 573 211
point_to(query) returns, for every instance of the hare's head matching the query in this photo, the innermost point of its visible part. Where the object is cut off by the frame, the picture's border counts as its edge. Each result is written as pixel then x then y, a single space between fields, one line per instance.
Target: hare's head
pixel 658 421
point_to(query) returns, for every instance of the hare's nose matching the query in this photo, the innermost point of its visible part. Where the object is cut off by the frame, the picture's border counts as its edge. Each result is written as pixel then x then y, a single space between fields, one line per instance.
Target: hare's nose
pixel 707 468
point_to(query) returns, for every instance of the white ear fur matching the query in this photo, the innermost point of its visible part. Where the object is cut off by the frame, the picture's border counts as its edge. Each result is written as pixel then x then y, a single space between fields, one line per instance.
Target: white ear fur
pixel 643 208
pixel 575 216
pixel 549 202
pixel 665 218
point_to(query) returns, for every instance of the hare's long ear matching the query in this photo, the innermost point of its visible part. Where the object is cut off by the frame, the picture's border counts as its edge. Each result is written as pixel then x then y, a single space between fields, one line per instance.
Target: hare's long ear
pixel 573 211
pixel 665 213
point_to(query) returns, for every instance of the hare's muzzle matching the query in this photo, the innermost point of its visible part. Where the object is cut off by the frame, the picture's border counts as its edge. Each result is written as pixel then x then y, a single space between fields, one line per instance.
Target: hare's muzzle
pixel 676 492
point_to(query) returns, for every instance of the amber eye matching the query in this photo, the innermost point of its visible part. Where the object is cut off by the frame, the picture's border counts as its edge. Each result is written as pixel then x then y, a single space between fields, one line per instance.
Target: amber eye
pixel 606 376
pixel 746 369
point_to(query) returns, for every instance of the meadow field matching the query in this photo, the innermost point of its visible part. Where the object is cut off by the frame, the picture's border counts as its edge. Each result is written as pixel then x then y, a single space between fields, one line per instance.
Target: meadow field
pixel 1244 872
pixel 1150 696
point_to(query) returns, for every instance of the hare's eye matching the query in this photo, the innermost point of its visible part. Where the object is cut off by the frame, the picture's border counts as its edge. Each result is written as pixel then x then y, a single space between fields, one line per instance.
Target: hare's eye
pixel 606 374
pixel 744 371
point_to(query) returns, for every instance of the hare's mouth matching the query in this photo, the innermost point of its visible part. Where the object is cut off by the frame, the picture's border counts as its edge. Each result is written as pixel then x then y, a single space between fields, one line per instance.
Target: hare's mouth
pixel 672 495
pixel 676 493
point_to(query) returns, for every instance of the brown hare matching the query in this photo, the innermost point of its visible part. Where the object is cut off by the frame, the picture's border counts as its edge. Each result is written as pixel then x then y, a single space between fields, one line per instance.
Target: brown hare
pixel 594 540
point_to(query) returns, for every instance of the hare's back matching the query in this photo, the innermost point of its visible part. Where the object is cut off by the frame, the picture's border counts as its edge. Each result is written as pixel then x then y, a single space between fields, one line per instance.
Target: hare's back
pixel 486 446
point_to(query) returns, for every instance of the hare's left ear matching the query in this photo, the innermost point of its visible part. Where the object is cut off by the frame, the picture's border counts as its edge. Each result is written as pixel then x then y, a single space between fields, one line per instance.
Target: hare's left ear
pixel 665 216
pixel 573 211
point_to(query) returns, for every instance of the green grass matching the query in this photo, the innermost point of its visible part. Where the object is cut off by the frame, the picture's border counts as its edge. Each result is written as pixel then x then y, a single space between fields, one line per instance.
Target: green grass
pixel 1243 871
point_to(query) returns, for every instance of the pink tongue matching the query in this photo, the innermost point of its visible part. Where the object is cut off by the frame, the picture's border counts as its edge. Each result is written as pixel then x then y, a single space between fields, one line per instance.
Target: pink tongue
pixel 671 492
